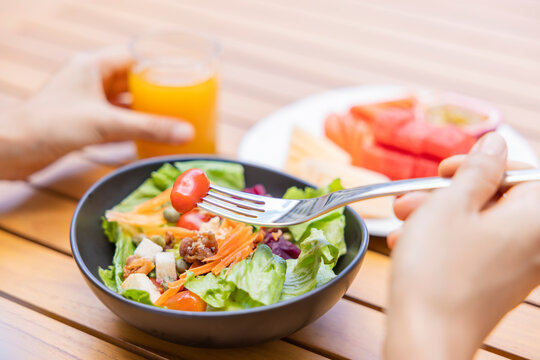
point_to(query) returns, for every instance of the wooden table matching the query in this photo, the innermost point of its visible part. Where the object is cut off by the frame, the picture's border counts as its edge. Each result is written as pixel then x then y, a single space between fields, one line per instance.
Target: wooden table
pixel 275 52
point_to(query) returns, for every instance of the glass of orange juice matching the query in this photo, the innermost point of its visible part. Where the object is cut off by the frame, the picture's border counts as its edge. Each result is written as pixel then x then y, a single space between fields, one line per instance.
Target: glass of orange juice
pixel 175 74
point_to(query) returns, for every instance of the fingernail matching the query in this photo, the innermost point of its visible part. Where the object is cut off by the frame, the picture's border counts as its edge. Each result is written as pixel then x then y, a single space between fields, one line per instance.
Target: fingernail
pixel 490 144
pixel 182 132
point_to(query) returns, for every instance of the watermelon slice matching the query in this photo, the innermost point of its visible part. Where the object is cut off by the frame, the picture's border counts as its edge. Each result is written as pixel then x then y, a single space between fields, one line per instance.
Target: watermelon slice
pixel 445 141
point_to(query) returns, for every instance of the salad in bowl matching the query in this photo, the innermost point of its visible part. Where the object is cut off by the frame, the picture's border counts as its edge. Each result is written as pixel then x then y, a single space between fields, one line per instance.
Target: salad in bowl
pixel 171 255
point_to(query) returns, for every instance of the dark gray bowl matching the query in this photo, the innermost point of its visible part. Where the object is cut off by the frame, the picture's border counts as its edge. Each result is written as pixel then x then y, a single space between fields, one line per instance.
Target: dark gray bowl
pixel 208 329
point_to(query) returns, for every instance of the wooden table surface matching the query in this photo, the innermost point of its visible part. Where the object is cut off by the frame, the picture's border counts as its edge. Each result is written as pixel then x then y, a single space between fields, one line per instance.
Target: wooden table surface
pixel 275 52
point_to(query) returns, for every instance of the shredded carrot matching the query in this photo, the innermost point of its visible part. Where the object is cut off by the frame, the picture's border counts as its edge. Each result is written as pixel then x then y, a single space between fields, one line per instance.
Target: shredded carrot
pixel 239 255
pixel 135 219
pixel 231 223
pixel 230 243
pixel 177 232
pixel 167 295
pixel 249 241
pixel 225 231
pixel 153 203
pixel 178 283
pixel 204 268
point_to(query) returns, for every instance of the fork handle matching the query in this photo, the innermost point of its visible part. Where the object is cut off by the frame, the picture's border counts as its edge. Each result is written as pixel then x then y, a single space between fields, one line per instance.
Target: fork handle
pixel 347 196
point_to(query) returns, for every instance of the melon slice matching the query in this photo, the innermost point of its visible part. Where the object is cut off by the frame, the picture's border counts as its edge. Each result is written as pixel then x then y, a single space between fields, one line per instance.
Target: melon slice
pixel 304 145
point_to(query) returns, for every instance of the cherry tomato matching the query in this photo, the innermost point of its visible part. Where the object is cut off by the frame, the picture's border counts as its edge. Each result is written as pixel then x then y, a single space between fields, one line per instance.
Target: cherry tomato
pixel 185 301
pixel 188 189
pixel 192 220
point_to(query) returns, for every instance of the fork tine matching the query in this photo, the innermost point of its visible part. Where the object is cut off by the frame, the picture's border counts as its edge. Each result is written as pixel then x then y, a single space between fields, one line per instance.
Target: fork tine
pixel 248 205
pixel 228 207
pixel 258 199
pixel 224 213
pixel 218 210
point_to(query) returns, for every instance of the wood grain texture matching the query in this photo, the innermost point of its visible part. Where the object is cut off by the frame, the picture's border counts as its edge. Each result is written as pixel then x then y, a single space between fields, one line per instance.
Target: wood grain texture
pixel 370 285
pixel 275 52
pixel 107 25
pixel 357 331
pixel 53 283
pixel 313 42
pixel 26 334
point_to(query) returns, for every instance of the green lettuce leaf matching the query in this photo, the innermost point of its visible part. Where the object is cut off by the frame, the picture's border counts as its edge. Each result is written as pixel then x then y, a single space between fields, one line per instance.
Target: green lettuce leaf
pixel 107 276
pixel 214 290
pixel 262 276
pixel 325 274
pixel 301 275
pixel 250 283
pixel 159 180
pixel 309 192
pixel 110 229
pixel 124 249
pixel 219 172
pixel 333 227
pixel 332 223
pixel 114 275
pixel 138 295
pixel 240 300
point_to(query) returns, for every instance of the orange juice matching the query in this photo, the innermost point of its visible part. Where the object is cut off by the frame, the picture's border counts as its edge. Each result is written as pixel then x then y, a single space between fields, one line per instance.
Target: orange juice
pixel 193 101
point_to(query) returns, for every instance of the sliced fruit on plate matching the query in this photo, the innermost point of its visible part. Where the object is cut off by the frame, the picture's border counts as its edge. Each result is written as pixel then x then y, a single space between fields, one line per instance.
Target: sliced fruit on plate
pixel 394 163
pixel 474 116
pixel 370 112
pixel 304 145
pixel 389 138
pixel 321 171
pixel 422 138
pixel 332 129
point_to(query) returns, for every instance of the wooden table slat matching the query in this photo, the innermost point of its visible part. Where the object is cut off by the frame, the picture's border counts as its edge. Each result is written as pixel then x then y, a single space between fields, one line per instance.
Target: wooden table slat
pixel 337 50
pixel 357 331
pixel 376 33
pixel 27 334
pixel 414 71
pixel 473 19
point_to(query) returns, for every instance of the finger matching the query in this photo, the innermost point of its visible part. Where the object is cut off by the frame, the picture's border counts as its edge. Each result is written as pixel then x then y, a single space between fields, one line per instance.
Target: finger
pixel 478 178
pixel 393 238
pixel 120 124
pixel 518 210
pixel 113 59
pixel 114 65
pixel 405 205
pixel 518 193
pixel 448 166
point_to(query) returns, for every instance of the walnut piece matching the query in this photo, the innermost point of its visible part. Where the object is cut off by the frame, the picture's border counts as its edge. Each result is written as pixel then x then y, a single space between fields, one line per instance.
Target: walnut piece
pixel 136 265
pixel 169 237
pixel 198 248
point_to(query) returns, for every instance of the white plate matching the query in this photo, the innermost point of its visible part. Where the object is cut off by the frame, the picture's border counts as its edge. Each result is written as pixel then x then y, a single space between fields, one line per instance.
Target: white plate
pixel 267 142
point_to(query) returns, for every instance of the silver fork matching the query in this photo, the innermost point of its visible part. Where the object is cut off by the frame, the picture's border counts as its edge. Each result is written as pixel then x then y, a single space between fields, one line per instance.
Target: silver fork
pixel 275 212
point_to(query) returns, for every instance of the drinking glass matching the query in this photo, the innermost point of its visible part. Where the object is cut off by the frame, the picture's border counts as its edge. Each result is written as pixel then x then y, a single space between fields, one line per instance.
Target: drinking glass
pixel 175 74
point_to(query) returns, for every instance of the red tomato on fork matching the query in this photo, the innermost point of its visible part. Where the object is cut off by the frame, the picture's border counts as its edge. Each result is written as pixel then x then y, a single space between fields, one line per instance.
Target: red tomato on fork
pixel 188 190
